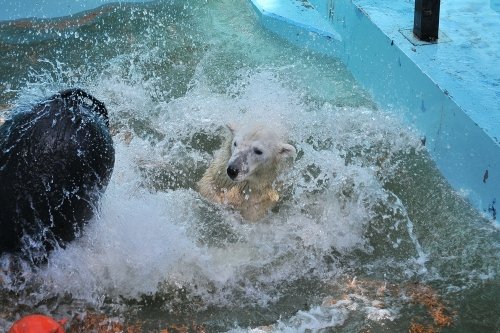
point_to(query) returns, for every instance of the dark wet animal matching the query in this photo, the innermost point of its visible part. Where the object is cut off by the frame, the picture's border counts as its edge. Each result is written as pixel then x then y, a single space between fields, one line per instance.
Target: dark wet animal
pixel 56 160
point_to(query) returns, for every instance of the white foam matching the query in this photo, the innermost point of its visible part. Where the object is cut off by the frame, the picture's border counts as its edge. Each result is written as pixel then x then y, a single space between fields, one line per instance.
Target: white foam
pixel 142 238
pixel 328 316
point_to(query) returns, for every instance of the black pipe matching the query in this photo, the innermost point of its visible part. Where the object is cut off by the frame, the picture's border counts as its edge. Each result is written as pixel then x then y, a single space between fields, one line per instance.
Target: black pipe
pixel 426 22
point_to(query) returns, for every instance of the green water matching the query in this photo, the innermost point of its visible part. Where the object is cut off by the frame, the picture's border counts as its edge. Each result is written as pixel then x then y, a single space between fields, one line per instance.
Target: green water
pixel 362 202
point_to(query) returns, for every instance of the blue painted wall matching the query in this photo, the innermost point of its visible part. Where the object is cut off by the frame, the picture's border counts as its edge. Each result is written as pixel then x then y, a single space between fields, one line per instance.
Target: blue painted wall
pixel 495 5
pixel 464 149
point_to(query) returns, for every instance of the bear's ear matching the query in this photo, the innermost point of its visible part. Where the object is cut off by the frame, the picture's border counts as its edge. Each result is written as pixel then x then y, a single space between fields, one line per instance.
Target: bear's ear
pixel 287 150
pixel 232 127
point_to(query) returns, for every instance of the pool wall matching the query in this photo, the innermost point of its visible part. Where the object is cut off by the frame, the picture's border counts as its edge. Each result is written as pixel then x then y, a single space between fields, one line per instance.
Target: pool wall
pixel 409 77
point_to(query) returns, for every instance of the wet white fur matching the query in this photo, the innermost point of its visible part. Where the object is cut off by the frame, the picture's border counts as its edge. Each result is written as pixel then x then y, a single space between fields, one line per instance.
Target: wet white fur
pixel 251 192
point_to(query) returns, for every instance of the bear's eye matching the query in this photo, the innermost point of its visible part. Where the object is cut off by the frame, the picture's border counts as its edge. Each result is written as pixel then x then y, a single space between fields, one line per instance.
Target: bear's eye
pixel 257 151
pixel 234 143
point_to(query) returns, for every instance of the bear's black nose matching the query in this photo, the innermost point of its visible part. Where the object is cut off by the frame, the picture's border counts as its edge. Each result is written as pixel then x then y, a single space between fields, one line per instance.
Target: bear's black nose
pixel 232 172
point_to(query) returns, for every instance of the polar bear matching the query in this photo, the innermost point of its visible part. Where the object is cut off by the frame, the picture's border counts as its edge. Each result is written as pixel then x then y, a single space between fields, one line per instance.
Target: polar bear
pixel 244 169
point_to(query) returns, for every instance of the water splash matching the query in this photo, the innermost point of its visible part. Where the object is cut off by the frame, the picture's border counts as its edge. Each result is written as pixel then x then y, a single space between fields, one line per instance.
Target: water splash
pixel 355 201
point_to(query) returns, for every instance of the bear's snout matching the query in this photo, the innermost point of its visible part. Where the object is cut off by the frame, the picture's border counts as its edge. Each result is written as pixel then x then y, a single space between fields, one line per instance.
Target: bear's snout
pixel 232 172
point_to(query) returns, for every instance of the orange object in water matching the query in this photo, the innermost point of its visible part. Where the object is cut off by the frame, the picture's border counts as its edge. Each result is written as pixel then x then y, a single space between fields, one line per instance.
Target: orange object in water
pixel 37 324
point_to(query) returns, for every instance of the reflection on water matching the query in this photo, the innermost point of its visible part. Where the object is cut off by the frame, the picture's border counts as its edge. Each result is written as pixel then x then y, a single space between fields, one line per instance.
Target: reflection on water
pixel 368 236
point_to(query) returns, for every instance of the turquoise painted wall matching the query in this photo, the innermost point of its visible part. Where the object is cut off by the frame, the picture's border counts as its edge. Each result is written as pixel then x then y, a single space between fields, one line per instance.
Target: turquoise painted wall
pixel 463 149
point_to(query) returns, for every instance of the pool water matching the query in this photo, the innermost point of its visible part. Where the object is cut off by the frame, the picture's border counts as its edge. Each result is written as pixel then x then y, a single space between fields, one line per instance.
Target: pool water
pixel 368 236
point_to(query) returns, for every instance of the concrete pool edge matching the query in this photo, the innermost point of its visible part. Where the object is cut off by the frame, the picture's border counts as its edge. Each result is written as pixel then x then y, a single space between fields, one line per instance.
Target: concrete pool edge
pixel 464 151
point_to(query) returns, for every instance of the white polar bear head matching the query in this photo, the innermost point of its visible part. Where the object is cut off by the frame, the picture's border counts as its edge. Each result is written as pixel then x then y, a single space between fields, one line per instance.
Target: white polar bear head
pixel 257 153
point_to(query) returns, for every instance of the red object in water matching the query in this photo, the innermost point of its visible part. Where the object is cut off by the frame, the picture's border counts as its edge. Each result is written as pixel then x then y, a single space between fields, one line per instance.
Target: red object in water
pixel 37 324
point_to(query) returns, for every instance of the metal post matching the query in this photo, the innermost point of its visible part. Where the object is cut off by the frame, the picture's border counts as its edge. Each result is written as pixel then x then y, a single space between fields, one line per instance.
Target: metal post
pixel 426 22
